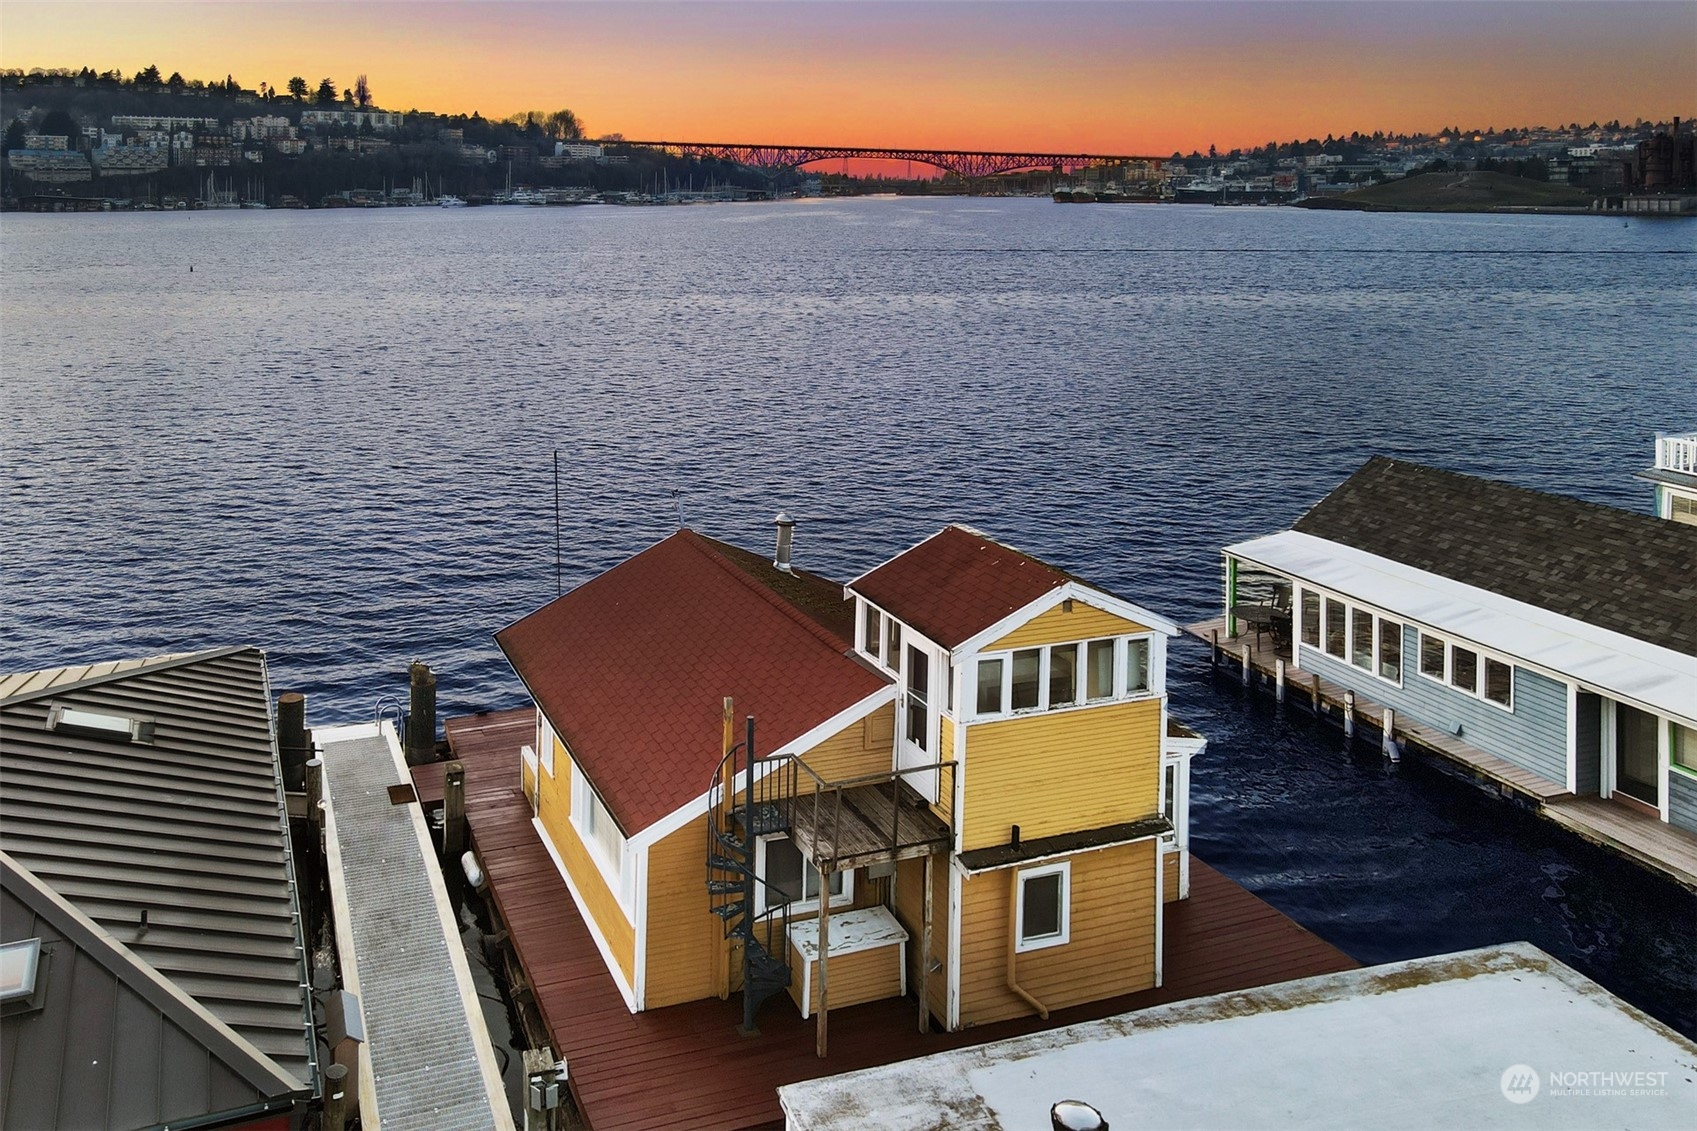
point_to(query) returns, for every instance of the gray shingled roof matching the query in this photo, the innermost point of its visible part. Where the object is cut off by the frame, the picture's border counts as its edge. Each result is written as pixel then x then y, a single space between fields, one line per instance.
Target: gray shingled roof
pixel 109 1042
pixel 1629 573
pixel 189 827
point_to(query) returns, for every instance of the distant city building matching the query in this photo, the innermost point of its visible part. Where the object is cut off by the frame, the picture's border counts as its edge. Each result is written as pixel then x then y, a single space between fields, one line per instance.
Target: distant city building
pixel 578 150
pixel 51 165
pixel 46 142
pixel 129 160
pixel 378 120
pixel 451 137
pixel 161 122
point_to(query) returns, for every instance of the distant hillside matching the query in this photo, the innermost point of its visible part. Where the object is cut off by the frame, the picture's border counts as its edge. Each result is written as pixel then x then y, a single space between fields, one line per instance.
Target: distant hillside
pixel 1460 191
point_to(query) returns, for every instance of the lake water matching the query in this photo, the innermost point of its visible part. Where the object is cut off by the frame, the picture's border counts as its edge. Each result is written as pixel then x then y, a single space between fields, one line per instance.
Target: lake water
pixel 332 434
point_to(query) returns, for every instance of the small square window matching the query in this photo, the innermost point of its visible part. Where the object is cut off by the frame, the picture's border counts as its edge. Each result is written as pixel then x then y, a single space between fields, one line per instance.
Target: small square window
pixel 1431 656
pixel 1464 668
pixel 1063 675
pixel 19 962
pixel 1499 682
pixel 1042 911
pixel 1027 682
pixel 990 686
pixel 1136 666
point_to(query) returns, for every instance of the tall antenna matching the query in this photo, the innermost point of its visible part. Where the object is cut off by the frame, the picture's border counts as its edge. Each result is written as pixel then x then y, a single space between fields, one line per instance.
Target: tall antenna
pixel 559 584
pixel 678 507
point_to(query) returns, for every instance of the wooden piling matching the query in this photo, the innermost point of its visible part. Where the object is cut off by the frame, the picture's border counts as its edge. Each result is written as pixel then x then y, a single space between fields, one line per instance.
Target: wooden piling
pixel 292 743
pixel 1279 681
pixel 1387 741
pixel 421 722
pixel 1214 646
pixel 1349 714
pixel 453 815
pixel 1314 692
pixel 1243 653
pixel 314 788
pixel 336 1097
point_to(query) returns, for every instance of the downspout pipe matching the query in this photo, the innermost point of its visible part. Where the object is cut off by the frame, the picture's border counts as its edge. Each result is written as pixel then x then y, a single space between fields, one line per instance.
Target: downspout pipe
pixel 1013 939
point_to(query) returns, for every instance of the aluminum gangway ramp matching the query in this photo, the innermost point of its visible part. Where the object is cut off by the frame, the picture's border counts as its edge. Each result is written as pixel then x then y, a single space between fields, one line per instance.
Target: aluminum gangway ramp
pixel 427 1063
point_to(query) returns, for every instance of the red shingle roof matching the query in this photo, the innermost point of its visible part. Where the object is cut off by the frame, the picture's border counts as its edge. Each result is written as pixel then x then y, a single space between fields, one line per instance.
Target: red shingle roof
pixel 957 583
pixel 631 667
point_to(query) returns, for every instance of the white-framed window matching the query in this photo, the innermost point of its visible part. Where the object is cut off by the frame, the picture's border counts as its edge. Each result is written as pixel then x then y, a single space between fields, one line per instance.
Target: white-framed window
pixel 880 637
pixel 1467 669
pixel 1042 917
pixel 1682 746
pixel 778 862
pixel 1350 633
pixel 1311 618
pixel 599 832
pixel 1057 676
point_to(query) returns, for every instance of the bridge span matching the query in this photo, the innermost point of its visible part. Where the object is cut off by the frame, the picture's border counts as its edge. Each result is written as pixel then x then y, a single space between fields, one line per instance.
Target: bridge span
pixel 969 163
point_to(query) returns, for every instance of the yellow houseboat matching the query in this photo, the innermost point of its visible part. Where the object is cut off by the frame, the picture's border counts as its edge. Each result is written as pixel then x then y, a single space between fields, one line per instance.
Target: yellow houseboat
pixel 954 777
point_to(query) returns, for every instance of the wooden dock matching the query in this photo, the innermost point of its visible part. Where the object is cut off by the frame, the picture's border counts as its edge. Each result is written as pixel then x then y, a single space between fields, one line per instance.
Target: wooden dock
pixel 1641 838
pixel 686 1065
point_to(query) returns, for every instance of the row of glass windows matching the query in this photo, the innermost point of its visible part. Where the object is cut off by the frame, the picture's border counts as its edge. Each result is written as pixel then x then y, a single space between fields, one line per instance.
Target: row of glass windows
pixel 1062 675
pixel 881 638
pixel 1370 642
pixel 1466 669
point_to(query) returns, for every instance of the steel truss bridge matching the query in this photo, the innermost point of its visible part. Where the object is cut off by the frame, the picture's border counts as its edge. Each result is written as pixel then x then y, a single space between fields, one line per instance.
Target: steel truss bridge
pixel 969 163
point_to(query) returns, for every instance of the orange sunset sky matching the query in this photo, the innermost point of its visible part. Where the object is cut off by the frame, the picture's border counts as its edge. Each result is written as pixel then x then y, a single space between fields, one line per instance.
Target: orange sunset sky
pixel 1046 76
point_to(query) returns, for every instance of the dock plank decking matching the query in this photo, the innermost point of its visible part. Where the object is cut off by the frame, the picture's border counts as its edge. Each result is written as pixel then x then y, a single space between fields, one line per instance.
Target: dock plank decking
pixel 431 1065
pixel 686 1065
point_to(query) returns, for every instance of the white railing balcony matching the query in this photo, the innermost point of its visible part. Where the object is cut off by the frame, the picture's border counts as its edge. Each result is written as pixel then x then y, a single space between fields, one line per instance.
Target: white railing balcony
pixel 1677 453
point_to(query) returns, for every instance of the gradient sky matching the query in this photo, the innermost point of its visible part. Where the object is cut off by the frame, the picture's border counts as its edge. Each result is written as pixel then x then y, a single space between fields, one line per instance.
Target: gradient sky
pixel 1045 76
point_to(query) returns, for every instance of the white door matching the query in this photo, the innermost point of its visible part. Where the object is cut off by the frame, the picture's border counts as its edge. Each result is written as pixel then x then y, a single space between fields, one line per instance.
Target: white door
pixel 916 722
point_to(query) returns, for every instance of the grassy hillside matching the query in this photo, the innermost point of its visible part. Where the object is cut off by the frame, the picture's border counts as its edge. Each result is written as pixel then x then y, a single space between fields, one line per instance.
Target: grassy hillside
pixel 1463 191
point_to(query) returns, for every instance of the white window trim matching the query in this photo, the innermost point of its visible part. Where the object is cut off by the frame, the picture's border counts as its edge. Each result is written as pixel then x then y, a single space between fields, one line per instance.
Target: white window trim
pixel 799 906
pixel 1450 644
pixel 1350 608
pixel 1081 677
pixel 618 874
pixel 1064 870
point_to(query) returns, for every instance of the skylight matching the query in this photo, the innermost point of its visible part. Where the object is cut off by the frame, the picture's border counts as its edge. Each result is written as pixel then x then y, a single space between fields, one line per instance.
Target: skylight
pixel 100 724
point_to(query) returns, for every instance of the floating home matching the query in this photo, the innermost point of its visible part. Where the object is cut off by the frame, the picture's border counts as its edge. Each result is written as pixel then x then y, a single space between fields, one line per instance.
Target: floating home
pixel 1675 477
pixel 154 958
pixel 762 826
pixel 1545 644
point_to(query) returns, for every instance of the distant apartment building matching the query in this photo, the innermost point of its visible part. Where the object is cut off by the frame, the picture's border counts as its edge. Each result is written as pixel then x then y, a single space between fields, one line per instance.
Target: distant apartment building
pixel 161 122
pixel 379 120
pixel 578 150
pixel 516 154
pixel 451 137
pixel 262 128
pixel 46 142
pixel 129 160
pixel 213 149
pixel 51 165
pixel 289 146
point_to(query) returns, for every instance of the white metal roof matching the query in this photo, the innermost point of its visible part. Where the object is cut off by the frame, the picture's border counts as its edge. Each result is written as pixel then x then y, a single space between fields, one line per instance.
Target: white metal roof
pixel 1598 658
pixel 1505 1037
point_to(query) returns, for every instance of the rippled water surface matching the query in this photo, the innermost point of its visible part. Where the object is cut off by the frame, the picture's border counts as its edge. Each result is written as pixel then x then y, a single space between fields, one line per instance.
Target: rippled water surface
pixel 331 434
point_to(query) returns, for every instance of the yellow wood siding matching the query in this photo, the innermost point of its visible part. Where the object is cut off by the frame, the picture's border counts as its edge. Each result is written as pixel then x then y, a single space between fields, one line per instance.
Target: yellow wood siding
pixel 554 807
pixel 910 910
pixel 865 975
pixel 1058 772
pixel 860 748
pixel 1058 626
pixel 683 936
pixel 1111 947
pixel 1169 876
pixel 945 806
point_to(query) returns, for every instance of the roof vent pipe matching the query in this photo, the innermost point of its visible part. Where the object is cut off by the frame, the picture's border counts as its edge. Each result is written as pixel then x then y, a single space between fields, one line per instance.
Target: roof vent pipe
pixel 786 539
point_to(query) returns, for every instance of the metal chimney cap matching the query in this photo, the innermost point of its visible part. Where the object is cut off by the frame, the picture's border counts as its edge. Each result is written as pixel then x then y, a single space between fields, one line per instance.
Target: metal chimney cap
pixel 784 519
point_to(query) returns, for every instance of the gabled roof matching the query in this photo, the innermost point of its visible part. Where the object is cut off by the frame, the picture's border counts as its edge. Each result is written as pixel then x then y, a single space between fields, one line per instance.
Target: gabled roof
pixel 631 667
pixel 188 826
pixel 139 1053
pixel 1625 572
pixel 957 583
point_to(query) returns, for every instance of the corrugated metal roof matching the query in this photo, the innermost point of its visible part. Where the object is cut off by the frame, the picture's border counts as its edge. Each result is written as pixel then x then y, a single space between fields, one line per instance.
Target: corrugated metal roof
pixel 112 1043
pixel 189 827
pixel 1653 676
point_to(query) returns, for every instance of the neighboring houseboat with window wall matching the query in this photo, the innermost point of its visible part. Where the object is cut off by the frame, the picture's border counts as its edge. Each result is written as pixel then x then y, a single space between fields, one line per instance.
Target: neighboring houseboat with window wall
pixel 1547 642
pixel 1675 477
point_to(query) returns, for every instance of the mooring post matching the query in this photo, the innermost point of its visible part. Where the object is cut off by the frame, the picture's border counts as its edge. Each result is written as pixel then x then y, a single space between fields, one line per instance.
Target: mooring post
pixel 453 815
pixel 1279 681
pixel 1314 692
pixel 1243 652
pixel 1349 714
pixel 335 1097
pixel 315 788
pixel 421 723
pixel 1214 646
pixel 1388 741
pixel 292 747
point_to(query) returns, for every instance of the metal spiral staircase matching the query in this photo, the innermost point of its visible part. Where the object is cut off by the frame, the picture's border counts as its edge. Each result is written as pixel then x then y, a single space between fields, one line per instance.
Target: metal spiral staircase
pixel 734 826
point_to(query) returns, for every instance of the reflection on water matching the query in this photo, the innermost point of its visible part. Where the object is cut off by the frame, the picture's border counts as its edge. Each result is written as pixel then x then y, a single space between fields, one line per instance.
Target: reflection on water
pixel 334 439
